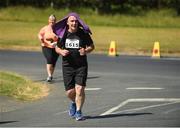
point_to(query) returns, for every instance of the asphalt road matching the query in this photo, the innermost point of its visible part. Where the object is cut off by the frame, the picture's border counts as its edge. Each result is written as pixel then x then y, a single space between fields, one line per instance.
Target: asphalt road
pixel 123 91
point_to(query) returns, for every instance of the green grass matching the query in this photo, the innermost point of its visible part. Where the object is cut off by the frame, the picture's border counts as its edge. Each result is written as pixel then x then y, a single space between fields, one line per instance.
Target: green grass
pixel 137 40
pixel 21 88
pixel 133 34
pixel 19 33
pixel 130 40
pixel 153 18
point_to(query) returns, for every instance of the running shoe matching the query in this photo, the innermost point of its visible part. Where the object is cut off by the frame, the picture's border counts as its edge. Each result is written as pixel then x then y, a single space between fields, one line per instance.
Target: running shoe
pixel 72 109
pixel 79 116
pixel 49 79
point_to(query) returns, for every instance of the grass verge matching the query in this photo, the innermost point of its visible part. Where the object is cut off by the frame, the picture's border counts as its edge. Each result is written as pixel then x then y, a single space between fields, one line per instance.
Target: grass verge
pixel 135 35
pixel 21 88
pixel 18 35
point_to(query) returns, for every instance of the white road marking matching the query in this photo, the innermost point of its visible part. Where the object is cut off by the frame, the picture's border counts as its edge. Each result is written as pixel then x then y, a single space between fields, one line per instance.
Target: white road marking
pixel 154 100
pixel 143 88
pixel 140 100
pixel 147 107
pixel 115 108
pixel 92 89
pixel 172 110
pixel 59 113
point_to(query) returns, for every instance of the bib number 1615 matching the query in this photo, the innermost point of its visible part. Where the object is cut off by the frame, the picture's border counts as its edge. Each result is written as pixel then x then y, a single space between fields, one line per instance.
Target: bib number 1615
pixel 72 43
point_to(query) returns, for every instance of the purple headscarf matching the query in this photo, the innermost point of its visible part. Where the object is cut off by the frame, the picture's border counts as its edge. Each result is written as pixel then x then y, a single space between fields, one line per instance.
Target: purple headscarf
pixel 61 26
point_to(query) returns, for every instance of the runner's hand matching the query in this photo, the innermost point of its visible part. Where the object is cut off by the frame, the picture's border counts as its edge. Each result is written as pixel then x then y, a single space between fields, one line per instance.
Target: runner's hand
pixel 54 44
pixel 64 52
pixel 82 51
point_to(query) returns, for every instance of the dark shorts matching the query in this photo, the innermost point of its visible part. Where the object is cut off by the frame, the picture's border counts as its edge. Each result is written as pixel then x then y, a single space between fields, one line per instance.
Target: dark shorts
pixel 74 75
pixel 50 55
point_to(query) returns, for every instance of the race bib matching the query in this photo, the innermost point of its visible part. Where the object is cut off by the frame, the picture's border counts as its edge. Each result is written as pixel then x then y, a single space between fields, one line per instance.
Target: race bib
pixel 72 43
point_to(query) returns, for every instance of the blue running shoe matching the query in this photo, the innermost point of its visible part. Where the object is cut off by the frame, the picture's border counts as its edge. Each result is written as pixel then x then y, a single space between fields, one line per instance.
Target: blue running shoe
pixel 79 116
pixel 72 109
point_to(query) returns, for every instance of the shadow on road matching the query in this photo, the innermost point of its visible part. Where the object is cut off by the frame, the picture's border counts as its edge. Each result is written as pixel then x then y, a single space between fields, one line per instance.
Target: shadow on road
pixel 6 122
pixel 57 79
pixel 93 77
pixel 116 115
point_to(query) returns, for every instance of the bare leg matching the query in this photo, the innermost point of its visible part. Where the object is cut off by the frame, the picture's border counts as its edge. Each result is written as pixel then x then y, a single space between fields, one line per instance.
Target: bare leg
pixel 80 97
pixel 71 94
pixel 50 69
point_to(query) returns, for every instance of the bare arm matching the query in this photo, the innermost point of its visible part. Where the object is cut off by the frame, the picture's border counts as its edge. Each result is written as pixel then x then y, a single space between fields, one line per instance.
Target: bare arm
pixel 41 35
pixel 88 49
pixel 62 52
pixel 45 42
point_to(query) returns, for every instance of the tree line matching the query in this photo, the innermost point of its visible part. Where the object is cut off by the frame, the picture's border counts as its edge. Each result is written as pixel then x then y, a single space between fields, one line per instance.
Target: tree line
pixel 100 6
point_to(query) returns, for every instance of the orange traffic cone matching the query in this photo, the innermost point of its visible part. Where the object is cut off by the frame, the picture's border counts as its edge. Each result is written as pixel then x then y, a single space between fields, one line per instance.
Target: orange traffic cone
pixel 112 49
pixel 156 50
